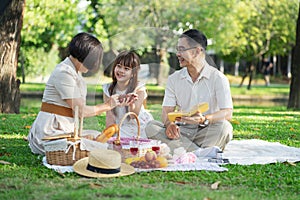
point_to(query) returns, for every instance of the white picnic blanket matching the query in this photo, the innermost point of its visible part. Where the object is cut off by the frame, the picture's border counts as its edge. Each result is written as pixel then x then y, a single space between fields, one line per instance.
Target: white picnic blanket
pixel 58 168
pixel 253 151
pixel 242 152
pixel 197 166
pixel 182 167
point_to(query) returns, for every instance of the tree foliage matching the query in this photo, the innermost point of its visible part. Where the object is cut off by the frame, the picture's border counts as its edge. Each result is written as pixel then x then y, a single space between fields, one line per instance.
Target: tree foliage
pixel 245 29
pixel 48 26
pixel 242 29
pixel 238 29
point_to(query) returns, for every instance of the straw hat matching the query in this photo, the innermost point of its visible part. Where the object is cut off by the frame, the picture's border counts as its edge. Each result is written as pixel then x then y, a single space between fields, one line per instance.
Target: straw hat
pixel 102 163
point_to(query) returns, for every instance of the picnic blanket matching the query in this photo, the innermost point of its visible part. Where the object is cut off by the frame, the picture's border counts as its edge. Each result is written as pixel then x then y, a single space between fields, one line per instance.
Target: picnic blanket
pixel 253 151
pixel 197 166
pixel 242 152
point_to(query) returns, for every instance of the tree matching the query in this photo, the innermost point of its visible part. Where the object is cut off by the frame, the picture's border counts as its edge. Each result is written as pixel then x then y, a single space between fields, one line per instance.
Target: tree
pixel 143 26
pixel 101 18
pixel 45 33
pixel 11 18
pixel 294 99
pixel 254 28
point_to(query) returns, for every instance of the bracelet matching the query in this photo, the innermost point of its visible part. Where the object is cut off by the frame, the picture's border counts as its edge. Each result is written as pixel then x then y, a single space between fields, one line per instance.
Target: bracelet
pixel 202 121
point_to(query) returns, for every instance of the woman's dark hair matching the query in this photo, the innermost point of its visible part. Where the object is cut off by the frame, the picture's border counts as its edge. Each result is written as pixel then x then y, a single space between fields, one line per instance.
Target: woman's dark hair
pixel 87 49
pixel 194 36
pixel 129 59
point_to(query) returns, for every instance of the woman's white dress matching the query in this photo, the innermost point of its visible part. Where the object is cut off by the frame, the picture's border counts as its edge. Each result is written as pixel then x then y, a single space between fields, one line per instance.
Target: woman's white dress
pixel 64 83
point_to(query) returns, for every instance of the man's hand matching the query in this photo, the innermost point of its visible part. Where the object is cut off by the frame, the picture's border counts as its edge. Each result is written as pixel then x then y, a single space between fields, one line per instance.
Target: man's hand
pixel 173 131
pixel 198 118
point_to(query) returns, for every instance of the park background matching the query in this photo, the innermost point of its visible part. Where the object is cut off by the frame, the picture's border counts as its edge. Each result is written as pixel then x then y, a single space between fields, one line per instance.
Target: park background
pixel 240 32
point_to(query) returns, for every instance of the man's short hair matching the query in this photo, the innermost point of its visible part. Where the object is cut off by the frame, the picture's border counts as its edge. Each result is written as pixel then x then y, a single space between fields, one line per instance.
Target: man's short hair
pixel 194 37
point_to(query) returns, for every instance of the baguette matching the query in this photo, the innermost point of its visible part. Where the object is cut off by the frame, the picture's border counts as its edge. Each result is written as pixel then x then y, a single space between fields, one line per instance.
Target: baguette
pixel 107 133
pixel 202 107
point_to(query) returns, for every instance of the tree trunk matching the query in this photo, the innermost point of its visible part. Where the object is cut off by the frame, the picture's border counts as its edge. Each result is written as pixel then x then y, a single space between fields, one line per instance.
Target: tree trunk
pixel 236 68
pixel 294 99
pixel 11 18
pixel 164 67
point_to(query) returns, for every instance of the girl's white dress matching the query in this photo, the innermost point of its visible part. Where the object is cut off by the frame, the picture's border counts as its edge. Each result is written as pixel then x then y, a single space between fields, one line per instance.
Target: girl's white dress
pixel 129 127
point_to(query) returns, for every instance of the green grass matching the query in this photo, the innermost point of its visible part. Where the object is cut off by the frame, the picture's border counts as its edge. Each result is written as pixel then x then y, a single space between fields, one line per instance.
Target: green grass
pixel 39 87
pixel 26 178
pixel 257 90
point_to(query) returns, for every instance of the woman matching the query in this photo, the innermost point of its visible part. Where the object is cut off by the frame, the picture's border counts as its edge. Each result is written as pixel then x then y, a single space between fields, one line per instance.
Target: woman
pixel 125 83
pixel 66 89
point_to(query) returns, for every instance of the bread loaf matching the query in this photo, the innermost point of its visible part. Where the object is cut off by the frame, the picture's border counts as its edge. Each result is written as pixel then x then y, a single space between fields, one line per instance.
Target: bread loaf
pixel 107 133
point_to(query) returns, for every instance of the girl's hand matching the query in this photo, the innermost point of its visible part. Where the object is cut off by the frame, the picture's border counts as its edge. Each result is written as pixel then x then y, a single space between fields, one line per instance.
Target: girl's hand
pixel 128 99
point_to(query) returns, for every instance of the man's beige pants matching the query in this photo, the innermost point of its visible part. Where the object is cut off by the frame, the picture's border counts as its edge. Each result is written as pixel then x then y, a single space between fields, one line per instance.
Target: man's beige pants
pixel 193 137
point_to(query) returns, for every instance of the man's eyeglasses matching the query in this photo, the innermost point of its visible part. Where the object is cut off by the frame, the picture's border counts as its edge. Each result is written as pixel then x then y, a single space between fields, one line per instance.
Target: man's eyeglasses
pixel 182 49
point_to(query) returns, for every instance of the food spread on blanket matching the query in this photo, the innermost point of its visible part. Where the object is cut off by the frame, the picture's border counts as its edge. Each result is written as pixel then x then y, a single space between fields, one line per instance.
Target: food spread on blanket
pixel 126 141
pixel 182 157
pixel 150 160
pixel 202 107
pixel 163 159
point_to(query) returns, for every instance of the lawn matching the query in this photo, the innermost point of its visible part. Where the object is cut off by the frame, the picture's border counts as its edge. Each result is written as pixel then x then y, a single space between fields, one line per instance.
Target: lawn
pixel 258 89
pixel 24 176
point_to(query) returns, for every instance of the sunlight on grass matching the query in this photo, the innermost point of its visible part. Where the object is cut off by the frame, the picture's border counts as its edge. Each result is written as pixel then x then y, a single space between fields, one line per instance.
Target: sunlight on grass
pixel 12 136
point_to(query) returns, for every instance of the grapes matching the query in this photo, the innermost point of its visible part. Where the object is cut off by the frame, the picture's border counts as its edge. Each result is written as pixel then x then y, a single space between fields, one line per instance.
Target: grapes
pixel 145 164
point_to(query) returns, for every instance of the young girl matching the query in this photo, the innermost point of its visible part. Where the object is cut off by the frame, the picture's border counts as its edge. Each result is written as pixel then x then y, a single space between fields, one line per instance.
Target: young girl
pixel 125 81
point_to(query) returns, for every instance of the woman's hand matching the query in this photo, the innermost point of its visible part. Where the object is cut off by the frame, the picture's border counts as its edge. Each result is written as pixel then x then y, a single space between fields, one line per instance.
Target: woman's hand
pixel 113 101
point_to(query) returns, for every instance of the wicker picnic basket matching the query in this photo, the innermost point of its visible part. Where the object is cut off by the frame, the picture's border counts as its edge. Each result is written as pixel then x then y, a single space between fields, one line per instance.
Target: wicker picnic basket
pixel 66 152
pixel 122 144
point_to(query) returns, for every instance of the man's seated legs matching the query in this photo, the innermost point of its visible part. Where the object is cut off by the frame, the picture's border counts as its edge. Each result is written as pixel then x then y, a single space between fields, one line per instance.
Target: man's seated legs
pixel 192 137
pixel 217 134
pixel 156 130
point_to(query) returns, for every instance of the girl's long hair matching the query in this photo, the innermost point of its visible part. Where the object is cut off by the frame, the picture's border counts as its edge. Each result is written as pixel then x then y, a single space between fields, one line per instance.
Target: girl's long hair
pixel 129 59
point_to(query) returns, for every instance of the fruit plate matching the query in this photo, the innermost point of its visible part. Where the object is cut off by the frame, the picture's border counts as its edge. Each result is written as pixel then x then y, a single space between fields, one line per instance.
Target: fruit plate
pixel 123 146
pixel 125 141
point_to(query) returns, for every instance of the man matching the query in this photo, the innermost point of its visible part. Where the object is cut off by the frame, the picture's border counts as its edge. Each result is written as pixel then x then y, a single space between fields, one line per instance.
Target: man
pixel 195 83
pixel 266 68
pixel 249 71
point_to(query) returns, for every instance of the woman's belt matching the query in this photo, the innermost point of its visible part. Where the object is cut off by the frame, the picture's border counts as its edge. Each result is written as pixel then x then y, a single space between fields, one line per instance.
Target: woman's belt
pixel 55 109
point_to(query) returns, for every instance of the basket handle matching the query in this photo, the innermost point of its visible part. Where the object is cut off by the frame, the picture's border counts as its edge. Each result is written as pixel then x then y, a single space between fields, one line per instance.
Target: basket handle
pixel 76 122
pixel 121 122
pixel 77 127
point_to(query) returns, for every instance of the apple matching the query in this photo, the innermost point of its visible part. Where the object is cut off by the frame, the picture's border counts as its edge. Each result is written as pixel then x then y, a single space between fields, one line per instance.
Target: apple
pixel 150 155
